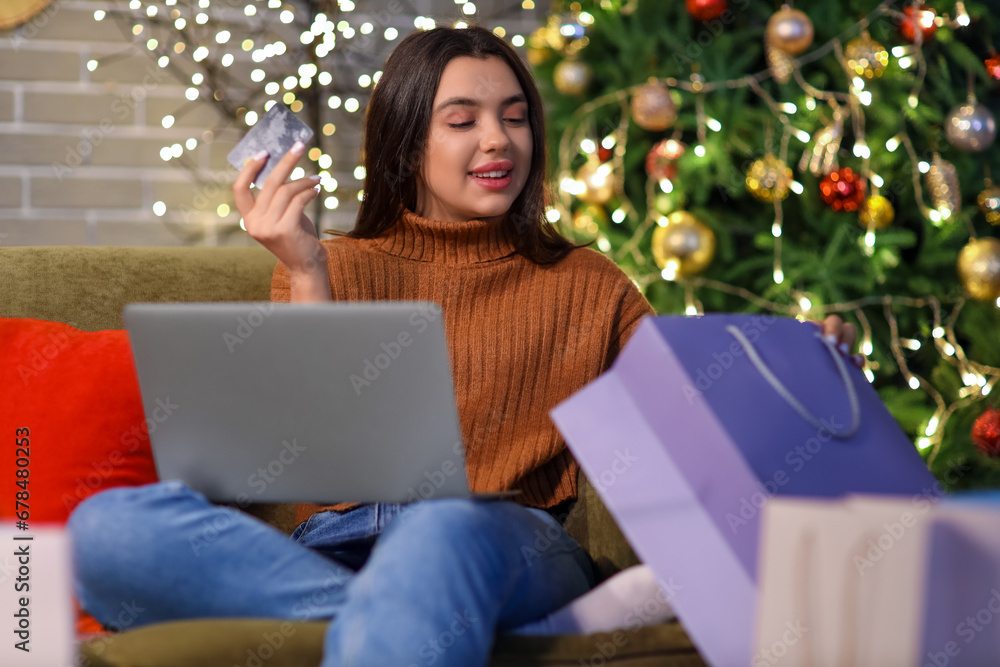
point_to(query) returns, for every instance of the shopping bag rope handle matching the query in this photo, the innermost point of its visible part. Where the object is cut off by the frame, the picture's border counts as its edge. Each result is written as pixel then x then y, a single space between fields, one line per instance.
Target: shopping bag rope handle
pixel 852 394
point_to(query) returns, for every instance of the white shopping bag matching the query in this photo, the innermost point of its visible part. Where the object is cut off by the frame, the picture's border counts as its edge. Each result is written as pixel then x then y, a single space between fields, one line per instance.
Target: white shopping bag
pixel 871 580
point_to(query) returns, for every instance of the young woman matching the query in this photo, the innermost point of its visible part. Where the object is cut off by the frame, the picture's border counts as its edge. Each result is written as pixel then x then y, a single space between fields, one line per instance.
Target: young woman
pixel 454 154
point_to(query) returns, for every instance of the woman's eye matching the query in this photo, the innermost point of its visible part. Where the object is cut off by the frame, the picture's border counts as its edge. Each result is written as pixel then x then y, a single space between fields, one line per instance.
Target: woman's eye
pixel 472 122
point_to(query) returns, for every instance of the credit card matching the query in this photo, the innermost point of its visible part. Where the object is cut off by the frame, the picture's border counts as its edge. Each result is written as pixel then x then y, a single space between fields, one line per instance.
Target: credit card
pixel 274 133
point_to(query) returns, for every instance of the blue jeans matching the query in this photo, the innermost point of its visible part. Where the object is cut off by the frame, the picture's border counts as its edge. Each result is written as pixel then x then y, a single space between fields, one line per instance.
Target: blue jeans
pixel 430 582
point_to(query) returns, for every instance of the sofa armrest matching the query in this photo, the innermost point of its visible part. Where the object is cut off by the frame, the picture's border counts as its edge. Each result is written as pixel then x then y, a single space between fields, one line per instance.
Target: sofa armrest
pixel 592 526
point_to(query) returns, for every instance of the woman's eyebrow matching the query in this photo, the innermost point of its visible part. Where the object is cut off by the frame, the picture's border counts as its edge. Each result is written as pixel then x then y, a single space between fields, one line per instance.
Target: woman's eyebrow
pixel 469 102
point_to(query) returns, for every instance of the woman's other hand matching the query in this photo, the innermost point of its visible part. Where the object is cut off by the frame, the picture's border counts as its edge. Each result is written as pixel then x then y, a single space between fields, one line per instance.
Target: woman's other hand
pixel 276 218
pixel 842 335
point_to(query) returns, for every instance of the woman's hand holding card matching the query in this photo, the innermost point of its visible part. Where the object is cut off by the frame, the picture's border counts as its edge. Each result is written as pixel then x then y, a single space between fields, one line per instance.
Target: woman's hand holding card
pixel 276 217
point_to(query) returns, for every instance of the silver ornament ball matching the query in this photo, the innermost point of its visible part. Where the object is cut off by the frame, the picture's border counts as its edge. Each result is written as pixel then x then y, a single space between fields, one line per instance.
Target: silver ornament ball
pixel 971 127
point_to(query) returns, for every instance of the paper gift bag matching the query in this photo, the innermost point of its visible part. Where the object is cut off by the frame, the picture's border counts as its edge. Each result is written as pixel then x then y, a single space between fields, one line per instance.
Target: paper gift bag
pixel 697 422
pixel 962 611
pixel 848 574
pixel 879 581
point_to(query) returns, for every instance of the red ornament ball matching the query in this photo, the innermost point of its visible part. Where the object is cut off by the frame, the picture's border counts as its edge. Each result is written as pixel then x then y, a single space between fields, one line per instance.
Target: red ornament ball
pixel 661 159
pixel 706 10
pixel 986 432
pixel 993 67
pixel 915 18
pixel 842 190
pixel 603 154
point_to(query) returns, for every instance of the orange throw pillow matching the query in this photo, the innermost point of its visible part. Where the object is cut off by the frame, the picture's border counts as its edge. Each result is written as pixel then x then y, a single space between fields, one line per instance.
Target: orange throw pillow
pixel 74 396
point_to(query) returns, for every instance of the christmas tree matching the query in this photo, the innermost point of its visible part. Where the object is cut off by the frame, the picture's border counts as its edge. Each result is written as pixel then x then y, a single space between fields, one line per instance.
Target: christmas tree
pixel 743 157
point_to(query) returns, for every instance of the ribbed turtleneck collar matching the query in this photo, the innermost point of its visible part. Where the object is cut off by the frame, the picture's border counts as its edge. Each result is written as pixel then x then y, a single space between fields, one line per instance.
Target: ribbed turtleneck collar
pixel 428 240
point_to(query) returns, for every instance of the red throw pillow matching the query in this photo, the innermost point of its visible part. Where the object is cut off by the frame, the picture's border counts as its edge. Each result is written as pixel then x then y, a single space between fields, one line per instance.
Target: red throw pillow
pixel 72 417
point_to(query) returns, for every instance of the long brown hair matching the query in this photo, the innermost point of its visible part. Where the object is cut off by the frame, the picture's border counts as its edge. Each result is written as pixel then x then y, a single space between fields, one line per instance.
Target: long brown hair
pixel 396 128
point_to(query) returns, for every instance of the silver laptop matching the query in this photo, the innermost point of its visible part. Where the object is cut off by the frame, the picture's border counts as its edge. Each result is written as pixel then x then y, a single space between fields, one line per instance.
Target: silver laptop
pixel 319 403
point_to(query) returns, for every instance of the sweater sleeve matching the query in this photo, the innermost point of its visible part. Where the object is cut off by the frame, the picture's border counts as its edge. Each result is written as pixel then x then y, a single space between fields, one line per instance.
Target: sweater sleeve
pixel 632 308
pixel 281 285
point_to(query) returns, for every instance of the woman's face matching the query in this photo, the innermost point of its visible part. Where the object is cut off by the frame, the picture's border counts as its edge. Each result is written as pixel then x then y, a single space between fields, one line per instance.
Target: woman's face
pixel 479 121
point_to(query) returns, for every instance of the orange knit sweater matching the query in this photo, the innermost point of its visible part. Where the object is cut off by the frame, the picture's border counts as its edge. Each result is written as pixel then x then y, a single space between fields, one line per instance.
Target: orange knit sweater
pixel 521 337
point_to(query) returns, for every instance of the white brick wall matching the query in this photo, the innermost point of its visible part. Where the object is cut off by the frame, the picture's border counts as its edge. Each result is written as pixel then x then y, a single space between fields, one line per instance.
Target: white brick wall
pixel 80 151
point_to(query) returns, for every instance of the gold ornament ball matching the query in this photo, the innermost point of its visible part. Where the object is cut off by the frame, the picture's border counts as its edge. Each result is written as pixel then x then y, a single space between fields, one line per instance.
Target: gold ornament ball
pixel 989 204
pixel 865 57
pixel 877 212
pixel 572 77
pixel 598 180
pixel 942 183
pixel 769 179
pixel 979 268
pixel 684 243
pixel 790 30
pixel 653 108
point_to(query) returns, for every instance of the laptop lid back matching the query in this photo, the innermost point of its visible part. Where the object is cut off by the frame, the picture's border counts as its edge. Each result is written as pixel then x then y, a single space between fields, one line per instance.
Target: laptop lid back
pixel 323 403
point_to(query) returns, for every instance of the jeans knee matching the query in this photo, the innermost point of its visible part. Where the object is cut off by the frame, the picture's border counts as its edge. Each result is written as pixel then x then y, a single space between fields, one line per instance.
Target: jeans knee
pixel 104 522
pixel 112 506
pixel 456 526
pixel 448 515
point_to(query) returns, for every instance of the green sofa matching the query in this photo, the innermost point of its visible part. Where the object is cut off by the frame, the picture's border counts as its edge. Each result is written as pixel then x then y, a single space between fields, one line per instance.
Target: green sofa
pixel 87 287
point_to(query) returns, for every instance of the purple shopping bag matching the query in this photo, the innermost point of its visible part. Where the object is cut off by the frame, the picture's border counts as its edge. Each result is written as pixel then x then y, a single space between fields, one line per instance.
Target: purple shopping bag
pixel 697 422
pixel 962 585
